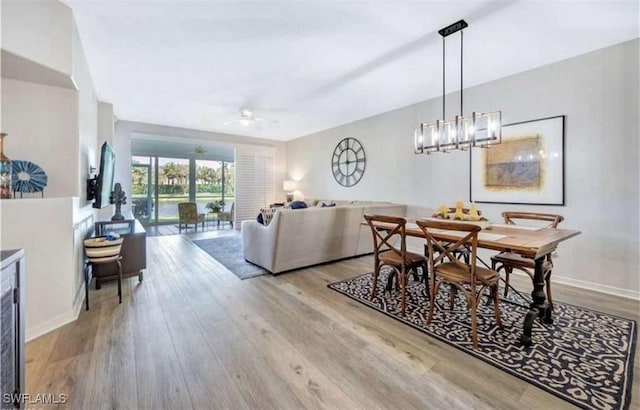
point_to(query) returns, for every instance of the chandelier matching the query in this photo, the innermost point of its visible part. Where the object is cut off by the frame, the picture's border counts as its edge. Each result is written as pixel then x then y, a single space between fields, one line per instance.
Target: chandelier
pixel 478 130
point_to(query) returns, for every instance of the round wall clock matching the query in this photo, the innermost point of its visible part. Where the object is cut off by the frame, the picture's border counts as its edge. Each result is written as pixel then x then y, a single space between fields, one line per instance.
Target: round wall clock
pixel 348 162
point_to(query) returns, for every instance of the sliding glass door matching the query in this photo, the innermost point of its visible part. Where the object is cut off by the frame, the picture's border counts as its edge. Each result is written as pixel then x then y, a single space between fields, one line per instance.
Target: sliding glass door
pixel 173 187
pixel 160 183
pixel 143 188
pixel 214 183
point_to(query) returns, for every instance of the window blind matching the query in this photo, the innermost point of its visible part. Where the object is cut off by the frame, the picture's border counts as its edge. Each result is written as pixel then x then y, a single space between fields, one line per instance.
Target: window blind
pixel 255 181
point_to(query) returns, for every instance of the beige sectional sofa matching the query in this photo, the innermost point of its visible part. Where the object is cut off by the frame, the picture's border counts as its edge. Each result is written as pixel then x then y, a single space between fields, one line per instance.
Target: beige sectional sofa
pixel 296 238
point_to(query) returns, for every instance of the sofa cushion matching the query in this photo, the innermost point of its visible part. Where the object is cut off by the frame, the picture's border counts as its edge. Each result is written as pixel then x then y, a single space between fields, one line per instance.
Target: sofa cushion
pixel 267 215
pixel 298 205
pixel 324 204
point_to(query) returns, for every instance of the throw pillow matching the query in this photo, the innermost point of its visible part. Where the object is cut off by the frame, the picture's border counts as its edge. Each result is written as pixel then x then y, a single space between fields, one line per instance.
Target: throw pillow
pixel 259 218
pixel 267 215
pixel 326 204
pixel 298 205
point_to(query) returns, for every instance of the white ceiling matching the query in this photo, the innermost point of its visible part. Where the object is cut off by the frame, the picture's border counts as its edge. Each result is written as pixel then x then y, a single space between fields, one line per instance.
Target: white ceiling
pixel 313 65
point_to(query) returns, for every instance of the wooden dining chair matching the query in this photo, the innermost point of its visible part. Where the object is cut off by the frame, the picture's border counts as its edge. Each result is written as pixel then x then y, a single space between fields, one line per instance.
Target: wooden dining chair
pixel 464 252
pixel 509 260
pixel 387 230
pixel 470 279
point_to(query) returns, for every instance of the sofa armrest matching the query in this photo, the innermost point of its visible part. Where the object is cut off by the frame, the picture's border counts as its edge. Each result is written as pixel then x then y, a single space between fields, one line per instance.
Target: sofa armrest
pixel 259 242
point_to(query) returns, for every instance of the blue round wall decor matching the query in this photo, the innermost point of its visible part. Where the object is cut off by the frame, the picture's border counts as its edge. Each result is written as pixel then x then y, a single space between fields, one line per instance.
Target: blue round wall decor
pixel 27 177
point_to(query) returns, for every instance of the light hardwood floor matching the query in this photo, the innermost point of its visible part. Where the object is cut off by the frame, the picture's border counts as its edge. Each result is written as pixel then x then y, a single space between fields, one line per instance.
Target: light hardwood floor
pixel 193 335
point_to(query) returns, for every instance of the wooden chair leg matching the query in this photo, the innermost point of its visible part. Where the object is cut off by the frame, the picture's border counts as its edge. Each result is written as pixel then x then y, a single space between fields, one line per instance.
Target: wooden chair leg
pixel 496 305
pixel 491 295
pixel 390 280
pixel 474 320
pixel 425 279
pixel 507 273
pixel 432 305
pixel 403 276
pixel 374 290
pixel 452 296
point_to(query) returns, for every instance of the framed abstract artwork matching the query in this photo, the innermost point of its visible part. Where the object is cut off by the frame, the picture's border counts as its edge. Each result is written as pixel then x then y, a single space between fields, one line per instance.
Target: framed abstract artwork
pixel 526 168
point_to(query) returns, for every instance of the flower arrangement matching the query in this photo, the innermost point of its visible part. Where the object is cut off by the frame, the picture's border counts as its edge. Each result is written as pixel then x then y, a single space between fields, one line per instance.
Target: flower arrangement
pixel 473 214
pixel 215 206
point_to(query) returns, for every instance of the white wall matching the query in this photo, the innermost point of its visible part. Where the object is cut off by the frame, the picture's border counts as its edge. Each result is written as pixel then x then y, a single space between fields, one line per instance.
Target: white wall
pixel 87 117
pixel 106 132
pixel 39 30
pixel 44 228
pixel 598 92
pixel 122 147
pixel 42 124
pixel 56 128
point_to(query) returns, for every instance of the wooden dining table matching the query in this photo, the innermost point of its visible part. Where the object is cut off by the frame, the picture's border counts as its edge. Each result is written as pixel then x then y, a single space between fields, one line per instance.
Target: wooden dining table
pixel 532 242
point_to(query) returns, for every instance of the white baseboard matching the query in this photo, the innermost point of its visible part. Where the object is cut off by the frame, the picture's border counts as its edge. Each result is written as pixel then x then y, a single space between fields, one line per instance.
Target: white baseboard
pixel 593 286
pixel 597 287
pixel 55 322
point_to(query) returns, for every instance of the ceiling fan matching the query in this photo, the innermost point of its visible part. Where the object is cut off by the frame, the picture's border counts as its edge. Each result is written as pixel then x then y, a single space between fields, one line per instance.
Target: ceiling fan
pixel 247 117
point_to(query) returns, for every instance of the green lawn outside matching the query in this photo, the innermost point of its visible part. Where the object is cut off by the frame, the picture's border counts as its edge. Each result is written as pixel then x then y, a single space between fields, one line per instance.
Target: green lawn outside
pixel 168 204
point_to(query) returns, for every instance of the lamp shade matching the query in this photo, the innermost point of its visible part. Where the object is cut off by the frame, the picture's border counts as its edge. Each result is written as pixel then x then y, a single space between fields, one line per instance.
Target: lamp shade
pixel 289 185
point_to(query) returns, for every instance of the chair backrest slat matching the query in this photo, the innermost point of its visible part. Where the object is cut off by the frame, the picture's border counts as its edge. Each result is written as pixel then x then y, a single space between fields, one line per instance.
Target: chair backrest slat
pixel 384 229
pixel 553 219
pixel 447 249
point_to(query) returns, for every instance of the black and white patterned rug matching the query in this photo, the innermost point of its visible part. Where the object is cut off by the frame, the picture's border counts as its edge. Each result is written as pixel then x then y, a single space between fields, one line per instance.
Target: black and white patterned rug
pixel 584 357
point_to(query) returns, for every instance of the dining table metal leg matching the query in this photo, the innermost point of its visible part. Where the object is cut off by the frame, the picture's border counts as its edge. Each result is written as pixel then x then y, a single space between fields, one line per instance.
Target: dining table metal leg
pixel 539 307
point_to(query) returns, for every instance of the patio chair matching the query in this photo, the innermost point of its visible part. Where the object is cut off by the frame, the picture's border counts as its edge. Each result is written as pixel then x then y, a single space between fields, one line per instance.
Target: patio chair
pixel 227 216
pixel 188 214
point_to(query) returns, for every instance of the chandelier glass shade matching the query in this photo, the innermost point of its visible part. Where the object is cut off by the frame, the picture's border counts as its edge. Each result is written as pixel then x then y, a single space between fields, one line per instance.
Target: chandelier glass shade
pixel 461 133
pixel 480 130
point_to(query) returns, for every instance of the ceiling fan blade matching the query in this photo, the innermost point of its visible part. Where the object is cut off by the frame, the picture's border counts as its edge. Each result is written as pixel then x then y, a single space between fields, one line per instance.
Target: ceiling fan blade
pixel 263 119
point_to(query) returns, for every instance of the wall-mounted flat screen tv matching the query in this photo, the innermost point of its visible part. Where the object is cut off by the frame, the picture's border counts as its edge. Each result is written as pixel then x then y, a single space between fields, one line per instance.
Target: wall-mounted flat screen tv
pixel 104 183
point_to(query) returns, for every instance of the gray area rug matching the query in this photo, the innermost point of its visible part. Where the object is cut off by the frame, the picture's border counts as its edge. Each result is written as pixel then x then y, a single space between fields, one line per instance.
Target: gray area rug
pixel 228 251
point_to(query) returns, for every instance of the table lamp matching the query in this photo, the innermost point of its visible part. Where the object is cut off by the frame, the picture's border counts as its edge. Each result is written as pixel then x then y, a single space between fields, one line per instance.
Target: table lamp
pixel 289 187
